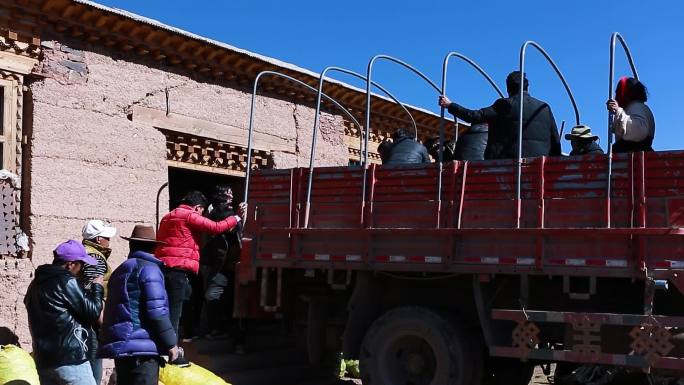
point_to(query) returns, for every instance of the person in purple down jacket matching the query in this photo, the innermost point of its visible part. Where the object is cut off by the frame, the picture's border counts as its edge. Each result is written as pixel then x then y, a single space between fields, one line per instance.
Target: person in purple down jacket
pixel 136 330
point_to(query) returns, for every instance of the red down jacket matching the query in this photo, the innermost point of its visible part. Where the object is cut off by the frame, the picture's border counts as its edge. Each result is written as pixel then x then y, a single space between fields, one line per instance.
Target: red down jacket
pixel 181 230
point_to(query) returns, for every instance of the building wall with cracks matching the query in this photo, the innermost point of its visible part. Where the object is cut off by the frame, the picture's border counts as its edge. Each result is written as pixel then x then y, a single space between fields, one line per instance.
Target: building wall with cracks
pixel 88 157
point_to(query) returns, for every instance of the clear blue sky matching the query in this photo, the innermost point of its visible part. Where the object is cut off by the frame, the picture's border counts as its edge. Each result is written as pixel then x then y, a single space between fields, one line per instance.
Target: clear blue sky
pixel 576 33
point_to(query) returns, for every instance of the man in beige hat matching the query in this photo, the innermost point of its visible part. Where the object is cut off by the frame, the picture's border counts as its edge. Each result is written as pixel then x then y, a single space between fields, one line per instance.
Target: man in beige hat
pixel 582 141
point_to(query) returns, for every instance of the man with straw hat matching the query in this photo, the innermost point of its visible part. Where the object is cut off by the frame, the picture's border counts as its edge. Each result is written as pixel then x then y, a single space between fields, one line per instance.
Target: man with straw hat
pixel 137 330
pixel 583 141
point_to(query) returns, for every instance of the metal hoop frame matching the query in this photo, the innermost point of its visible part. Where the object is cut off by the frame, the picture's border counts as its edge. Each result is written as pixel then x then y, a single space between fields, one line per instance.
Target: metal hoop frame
pixel 253 108
pixel 321 81
pixel 520 115
pixel 615 37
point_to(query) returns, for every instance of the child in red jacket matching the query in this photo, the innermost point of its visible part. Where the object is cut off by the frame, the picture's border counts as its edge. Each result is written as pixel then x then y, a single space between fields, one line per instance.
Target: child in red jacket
pixel 179 233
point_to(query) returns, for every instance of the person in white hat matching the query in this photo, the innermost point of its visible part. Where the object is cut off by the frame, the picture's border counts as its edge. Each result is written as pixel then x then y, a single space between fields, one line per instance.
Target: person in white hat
pixel 96 236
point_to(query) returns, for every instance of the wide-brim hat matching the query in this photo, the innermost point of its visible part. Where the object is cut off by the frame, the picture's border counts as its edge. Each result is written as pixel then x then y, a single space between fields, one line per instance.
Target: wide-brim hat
pixel 581 132
pixel 143 233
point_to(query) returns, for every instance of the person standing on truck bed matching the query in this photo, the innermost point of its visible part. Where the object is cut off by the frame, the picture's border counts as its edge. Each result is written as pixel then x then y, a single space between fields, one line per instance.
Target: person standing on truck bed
pixel 403 149
pixel 180 232
pixel 540 134
pixel 633 121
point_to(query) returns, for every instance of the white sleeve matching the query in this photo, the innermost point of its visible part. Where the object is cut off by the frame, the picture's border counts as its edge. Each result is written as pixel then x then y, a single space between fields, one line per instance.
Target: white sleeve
pixel 631 124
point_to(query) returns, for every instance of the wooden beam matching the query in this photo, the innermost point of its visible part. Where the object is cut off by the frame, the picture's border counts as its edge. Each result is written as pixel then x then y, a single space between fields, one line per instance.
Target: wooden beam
pixel 17 63
pixel 203 168
pixel 206 129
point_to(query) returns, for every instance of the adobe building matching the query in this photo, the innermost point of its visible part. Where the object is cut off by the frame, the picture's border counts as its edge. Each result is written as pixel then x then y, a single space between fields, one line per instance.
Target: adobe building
pixel 101 109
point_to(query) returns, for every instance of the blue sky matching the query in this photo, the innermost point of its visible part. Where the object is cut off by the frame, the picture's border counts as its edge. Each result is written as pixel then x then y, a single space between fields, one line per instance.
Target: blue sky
pixel 576 33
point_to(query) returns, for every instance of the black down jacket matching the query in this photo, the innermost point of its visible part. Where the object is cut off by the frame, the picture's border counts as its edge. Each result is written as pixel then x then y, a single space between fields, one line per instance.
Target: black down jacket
pixel 540 135
pixel 471 144
pixel 404 150
pixel 59 312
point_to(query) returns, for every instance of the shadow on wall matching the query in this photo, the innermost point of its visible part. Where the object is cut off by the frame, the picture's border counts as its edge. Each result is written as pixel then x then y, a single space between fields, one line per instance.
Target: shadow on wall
pixel 7 337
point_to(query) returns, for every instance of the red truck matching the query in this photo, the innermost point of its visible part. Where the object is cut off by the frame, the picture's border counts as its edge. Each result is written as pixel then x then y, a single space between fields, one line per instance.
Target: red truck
pixel 473 272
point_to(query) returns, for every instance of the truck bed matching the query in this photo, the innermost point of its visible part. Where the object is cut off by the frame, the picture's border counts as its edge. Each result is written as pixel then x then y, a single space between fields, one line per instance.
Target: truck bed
pixel 401 225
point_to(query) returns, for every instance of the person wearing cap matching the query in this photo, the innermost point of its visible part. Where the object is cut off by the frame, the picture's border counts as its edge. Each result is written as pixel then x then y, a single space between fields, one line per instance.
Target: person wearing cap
pixel 180 232
pixel 633 121
pixel 60 311
pixel 540 134
pixel 582 141
pixel 96 237
pixel 136 329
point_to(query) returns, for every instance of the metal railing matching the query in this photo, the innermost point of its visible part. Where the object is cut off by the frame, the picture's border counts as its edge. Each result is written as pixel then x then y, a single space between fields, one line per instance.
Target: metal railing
pixel 364 133
pixel 251 117
pixel 369 81
pixel 611 75
pixel 523 49
pixel 445 66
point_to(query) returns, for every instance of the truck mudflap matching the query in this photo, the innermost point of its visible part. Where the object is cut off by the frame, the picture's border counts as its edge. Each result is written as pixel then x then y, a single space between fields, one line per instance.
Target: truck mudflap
pixel 649 342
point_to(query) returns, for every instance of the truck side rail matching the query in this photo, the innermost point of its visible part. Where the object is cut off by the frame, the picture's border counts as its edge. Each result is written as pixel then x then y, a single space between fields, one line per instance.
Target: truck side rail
pixel 561 229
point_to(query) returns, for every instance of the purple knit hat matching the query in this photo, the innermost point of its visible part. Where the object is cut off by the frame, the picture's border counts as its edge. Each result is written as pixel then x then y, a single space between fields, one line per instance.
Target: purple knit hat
pixel 71 251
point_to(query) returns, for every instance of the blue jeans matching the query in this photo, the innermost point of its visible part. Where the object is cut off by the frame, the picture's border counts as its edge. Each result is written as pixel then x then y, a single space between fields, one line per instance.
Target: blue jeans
pixel 81 374
pixel 96 365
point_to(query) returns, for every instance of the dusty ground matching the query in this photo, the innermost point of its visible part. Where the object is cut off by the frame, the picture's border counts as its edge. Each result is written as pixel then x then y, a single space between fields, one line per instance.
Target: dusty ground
pixel 539 378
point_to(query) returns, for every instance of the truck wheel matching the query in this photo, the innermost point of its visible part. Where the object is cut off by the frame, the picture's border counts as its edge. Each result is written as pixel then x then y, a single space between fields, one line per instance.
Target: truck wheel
pixel 415 346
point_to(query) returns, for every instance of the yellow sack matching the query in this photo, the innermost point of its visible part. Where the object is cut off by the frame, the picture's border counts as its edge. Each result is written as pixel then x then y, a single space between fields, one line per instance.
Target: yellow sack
pixel 192 375
pixel 17 365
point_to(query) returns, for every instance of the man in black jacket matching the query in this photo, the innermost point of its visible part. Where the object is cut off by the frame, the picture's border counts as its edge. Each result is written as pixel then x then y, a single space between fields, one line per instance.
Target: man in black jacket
pixel 218 258
pixel 59 312
pixel 540 135
pixel 403 149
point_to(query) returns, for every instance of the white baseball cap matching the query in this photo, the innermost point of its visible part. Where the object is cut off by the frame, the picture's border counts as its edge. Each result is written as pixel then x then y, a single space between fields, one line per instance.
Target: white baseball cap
pixel 97 228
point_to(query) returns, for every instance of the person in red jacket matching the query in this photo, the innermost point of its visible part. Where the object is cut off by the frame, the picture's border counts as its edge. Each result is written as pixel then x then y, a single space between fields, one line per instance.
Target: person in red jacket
pixel 180 232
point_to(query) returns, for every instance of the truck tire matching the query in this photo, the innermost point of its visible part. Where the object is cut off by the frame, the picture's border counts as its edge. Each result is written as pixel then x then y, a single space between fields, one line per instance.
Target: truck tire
pixel 416 346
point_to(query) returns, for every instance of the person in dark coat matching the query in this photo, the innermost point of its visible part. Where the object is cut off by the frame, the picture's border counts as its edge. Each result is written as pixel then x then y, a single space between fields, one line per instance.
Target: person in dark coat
pixel 136 330
pixel 582 141
pixel 60 312
pixel 217 260
pixel 403 149
pixel 540 135
pixel 471 144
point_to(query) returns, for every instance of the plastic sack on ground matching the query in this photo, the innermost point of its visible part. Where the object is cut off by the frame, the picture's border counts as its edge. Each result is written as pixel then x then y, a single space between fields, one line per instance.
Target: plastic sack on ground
pixel 192 375
pixel 17 365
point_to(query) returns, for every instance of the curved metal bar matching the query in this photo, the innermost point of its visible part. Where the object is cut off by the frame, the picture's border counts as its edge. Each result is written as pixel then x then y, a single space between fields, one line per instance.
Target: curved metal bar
pixel 369 81
pixel 321 81
pixel 251 117
pixel 445 67
pixel 368 91
pixel 163 186
pixel 520 115
pixel 611 76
